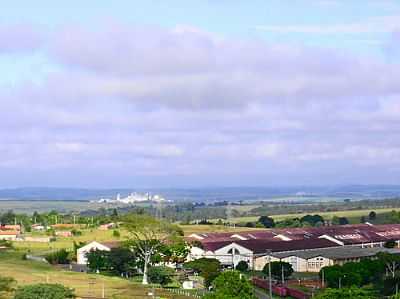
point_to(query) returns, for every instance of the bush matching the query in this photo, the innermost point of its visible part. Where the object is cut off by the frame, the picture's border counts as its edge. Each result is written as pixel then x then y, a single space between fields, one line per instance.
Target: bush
pixel 44 291
pixel 232 285
pixel 58 257
pixel 268 222
pixel 242 266
pixel 207 267
pixel 277 268
pixel 160 274
pixel 116 234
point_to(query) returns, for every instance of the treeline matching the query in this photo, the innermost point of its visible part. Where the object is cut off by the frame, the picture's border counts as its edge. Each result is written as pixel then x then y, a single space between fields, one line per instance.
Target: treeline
pixel 380 276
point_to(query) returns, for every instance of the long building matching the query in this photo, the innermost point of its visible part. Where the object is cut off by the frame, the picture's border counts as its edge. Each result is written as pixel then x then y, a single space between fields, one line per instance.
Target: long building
pixel 298 246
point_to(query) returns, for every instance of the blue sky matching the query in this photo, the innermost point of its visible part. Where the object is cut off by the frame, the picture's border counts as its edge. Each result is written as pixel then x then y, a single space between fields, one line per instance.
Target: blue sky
pixel 199 93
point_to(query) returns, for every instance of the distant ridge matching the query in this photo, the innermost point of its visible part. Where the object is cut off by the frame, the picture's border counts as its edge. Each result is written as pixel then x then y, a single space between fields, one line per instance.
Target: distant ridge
pixel 207 194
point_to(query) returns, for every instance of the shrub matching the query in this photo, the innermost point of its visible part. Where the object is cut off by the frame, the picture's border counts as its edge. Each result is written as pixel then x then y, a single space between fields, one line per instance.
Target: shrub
pixel 58 257
pixel 160 274
pixel 44 291
pixel 116 234
pixel 242 266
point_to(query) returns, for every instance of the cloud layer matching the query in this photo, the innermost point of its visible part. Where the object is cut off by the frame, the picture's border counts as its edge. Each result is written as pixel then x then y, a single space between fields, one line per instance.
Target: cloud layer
pixel 123 105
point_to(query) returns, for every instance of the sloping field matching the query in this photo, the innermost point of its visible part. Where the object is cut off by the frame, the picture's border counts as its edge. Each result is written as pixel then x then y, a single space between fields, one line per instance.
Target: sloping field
pixel 28 272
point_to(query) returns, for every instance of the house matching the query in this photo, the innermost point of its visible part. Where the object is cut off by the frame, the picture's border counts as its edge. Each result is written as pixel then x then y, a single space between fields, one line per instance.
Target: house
pixel 9 227
pixel 9 235
pixel 38 227
pixel 64 226
pixel 107 226
pixel 105 246
pixel 361 235
pixel 63 233
pixel 231 253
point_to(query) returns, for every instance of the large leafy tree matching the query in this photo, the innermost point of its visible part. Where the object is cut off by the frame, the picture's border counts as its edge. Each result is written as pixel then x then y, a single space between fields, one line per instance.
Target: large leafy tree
pixel 122 261
pixel 267 221
pixel 161 275
pixel 279 270
pixel 44 291
pixel 391 261
pixel 231 285
pixel 176 251
pixel 346 293
pixel 208 268
pixel 97 260
pixel 147 236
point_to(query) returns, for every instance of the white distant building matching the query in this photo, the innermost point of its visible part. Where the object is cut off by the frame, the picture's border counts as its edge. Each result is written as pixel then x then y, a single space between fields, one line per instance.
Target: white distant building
pixel 133 198
pixel 104 246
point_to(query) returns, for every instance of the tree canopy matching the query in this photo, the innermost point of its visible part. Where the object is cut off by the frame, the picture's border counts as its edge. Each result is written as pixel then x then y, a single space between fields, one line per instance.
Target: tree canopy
pixel 147 236
pixel 231 285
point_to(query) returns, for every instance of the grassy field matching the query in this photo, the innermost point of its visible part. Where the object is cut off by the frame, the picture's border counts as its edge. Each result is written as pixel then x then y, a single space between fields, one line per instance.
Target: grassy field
pixel 28 272
pixel 353 215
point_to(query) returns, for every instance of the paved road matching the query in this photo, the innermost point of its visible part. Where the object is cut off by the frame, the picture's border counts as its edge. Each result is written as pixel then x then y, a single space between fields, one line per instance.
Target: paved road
pixel 260 294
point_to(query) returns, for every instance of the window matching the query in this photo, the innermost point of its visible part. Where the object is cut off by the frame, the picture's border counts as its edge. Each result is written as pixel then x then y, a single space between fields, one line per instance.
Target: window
pixel 233 251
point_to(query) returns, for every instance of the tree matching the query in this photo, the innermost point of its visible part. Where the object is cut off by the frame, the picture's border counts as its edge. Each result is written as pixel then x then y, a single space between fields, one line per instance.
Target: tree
pixel 279 270
pixel 372 215
pixel 340 220
pixel 268 222
pixel 312 219
pixel 390 244
pixel 6 285
pixel 44 291
pixel 58 257
pixel 391 262
pixel 97 260
pixel 242 266
pixel 345 293
pixel 231 285
pixel 146 237
pixel 121 261
pixel 207 267
pixel 160 274
pixel 176 251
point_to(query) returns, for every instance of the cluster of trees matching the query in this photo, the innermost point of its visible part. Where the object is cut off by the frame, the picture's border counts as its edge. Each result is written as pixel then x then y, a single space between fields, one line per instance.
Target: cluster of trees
pixel 36 291
pixel 305 221
pixel 381 273
pixel 150 241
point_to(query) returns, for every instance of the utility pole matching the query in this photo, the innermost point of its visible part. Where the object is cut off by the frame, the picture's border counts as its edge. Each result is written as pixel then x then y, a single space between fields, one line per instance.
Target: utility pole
pixel 269 274
pixel 283 275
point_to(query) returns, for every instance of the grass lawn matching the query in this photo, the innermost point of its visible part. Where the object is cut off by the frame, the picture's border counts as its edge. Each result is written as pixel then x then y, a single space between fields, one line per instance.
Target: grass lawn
pixel 28 272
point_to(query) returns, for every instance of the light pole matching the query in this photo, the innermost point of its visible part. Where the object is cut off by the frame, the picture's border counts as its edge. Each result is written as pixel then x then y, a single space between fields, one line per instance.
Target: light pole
pixel 269 275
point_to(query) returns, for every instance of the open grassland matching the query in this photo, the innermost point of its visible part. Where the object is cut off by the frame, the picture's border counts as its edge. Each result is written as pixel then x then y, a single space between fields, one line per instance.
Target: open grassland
pixel 352 215
pixel 29 272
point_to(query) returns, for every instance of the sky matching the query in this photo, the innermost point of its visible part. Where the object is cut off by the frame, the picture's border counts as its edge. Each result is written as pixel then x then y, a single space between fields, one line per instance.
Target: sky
pixel 199 93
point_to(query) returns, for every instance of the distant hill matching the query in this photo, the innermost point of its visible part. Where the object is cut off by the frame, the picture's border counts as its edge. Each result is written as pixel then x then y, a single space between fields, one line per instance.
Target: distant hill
pixel 210 194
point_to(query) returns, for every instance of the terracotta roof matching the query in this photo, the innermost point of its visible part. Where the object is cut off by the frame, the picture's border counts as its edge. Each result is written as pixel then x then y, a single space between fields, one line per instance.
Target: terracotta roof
pixel 8 233
pixel 348 234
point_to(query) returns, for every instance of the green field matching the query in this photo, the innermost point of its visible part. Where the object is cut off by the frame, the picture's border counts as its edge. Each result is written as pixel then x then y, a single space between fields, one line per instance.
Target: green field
pixel 28 272
pixel 353 215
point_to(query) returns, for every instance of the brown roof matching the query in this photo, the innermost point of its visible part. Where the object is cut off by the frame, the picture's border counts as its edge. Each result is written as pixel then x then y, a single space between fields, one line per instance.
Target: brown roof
pixel 348 234
pixel 8 233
